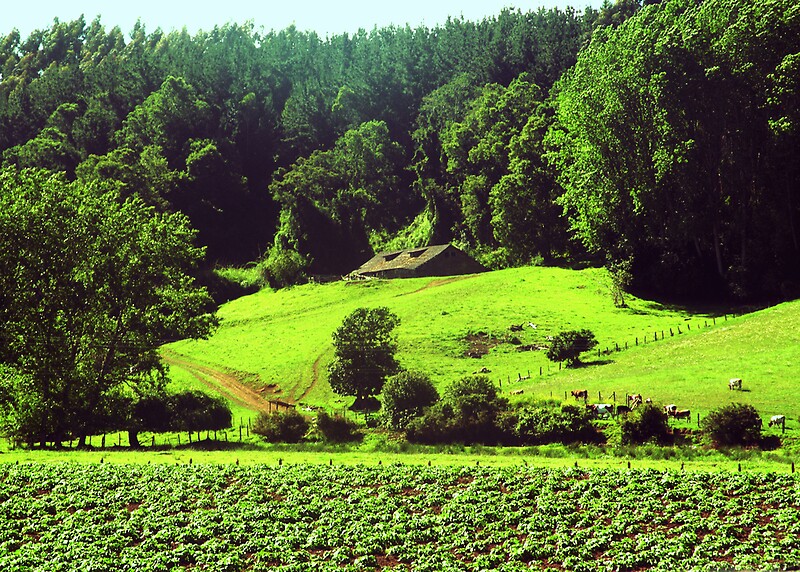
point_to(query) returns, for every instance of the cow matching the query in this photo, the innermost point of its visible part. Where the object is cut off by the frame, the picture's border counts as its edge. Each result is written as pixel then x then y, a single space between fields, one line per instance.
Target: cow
pixel 601 409
pixel 735 383
pixel 580 394
pixel 670 409
pixel 777 420
pixel 682 414
pixel 623 409
pixel 634 400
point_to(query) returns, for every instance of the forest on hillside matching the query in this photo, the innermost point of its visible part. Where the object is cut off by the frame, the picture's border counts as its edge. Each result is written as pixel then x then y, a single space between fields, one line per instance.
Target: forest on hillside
pixel 661 139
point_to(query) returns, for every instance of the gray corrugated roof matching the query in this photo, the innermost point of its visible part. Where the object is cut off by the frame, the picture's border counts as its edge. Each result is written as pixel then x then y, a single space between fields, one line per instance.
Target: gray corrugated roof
pixel 409 259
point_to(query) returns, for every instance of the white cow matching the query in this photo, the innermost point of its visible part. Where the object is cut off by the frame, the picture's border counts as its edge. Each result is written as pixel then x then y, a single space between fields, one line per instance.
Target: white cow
pixel 777 420
pixel 601 409
pixel 735 383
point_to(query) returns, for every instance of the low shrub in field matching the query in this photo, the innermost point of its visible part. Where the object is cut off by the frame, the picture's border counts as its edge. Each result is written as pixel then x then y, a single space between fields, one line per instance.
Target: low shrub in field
pixel 337 429
pixel 281 427
pixel 542 423
pixel 734 424
pixel 645 424
pixel 569 345
pixel 468 413
pixel 405 396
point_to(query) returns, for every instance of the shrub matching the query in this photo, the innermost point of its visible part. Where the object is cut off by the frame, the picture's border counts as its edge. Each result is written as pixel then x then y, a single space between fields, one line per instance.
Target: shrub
pixel 643 424
pixel 285 268
pixel 405 396
pixel 569 345
pixel 734 424
pixel 337 429
pixel 196 411
pixel 542 423
pixel 281 427
pixel 468 413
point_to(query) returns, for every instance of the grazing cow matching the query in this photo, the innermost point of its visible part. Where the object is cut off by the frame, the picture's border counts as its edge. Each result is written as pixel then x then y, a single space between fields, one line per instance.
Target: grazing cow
pixel 735 383
pixel 682 414
pixel 670 409
pixel 623 409
pixel 580 394
pixel 777 420
pixel 601 409
pixel 634 400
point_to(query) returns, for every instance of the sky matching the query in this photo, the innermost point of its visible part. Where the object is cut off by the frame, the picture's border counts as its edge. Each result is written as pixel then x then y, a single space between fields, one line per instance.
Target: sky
pixel 326 17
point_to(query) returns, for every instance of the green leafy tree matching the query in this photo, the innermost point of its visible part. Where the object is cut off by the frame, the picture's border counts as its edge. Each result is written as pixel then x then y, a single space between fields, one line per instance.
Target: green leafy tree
pixel 405 396
pixel 643 424
pixel 90 287
pixel 198 411
pixel 364 353
pixel 732 425
pixel 569 345
pixel 467 413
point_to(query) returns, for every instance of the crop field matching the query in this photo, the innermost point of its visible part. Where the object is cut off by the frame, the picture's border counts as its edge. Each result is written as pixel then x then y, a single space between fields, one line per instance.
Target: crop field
pixel 316 517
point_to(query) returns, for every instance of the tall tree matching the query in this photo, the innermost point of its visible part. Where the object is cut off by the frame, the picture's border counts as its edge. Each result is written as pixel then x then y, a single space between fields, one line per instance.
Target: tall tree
pixel 91 287
pixel 364 348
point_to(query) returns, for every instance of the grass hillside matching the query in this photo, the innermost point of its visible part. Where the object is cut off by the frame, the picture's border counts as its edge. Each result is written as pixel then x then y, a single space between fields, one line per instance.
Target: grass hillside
pixel 280 342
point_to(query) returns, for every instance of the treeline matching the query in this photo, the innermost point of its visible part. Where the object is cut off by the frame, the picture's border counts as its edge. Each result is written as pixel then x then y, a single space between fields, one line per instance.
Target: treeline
pixel 660 140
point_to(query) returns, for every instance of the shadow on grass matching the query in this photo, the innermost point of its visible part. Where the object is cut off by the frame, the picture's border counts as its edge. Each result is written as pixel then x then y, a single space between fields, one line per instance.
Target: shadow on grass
pixel 585 364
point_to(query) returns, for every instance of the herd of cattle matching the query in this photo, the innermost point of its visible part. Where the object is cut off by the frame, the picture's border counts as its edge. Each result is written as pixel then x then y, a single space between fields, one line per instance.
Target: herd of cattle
pixel 633 401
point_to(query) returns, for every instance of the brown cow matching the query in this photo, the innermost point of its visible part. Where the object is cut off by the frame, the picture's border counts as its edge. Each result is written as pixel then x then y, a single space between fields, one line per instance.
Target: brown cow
pixel 580 394
pixel 682 414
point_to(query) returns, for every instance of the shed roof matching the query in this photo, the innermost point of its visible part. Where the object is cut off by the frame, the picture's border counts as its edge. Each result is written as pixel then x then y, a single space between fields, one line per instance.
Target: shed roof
pixel 409 259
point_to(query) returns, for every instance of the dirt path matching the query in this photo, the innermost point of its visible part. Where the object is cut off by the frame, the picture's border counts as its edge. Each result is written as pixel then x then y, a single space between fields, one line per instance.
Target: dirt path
pixel 226 382
pixel 316 376
pixel 434 284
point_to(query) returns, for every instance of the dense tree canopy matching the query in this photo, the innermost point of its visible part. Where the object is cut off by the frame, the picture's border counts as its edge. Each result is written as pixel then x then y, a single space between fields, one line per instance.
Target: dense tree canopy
pixel 364 353
pixel 667 148
pixel 90 287
pixel 660 136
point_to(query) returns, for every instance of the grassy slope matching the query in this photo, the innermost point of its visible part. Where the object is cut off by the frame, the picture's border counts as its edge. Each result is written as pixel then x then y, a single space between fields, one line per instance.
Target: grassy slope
pixel 285 336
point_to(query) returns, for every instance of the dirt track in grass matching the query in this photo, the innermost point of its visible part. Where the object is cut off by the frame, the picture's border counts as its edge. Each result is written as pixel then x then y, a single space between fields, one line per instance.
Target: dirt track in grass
pixel 228 383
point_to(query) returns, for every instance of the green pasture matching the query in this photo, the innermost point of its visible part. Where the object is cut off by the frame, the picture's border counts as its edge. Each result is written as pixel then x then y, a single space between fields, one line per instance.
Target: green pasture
pixel 555 456
pixel 670 354
pixel 284 337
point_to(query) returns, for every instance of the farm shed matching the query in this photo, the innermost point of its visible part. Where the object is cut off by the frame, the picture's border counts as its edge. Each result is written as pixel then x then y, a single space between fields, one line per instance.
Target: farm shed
pixel 441 260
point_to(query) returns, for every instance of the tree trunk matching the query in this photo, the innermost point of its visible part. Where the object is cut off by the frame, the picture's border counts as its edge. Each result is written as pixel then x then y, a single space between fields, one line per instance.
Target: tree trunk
pixel 133 439
pixel 718 253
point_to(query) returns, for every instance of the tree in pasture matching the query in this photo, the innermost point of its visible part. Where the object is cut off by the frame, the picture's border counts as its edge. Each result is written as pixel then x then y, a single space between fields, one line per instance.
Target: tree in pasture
pixel 569 345
pixel 732 425
pixel 405 396
pixel 643 424
pixel 467 413
pixel 281 426
pixel 364 353
pixel 197 411
pixel 90 287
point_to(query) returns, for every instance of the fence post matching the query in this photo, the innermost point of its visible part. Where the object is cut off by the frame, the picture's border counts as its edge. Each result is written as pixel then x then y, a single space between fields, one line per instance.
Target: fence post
pixel 698 420
pixel 637 341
